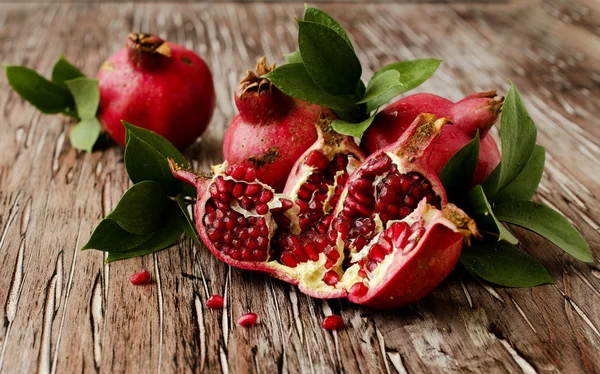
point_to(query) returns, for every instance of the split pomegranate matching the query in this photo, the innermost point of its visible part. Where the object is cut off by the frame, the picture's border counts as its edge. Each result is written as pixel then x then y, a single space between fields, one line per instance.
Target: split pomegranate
pixel 333 322
pixel 272 130
pixel 215 302
pixel 157 85
pixel 248 319
pixel 141 278
pixel 477 112
pixel 374 233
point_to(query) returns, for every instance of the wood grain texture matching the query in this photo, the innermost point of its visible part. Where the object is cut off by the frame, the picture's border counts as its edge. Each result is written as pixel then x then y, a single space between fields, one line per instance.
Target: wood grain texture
pixel 65 311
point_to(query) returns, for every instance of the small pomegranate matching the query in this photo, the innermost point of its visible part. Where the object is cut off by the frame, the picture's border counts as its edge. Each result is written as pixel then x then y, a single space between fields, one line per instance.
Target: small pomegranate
pixel 141 278
pixel 157 85
pixel 379 233
pixel 333 322
pixel 272 130
pixel 215 302
pixel 248 319
pixel 475 112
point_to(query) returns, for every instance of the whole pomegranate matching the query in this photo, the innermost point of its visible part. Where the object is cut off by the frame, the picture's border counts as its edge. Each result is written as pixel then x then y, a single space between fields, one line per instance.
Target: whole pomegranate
pixel 272 130
pixel 378 232
pixel 159 86
pixel 475 112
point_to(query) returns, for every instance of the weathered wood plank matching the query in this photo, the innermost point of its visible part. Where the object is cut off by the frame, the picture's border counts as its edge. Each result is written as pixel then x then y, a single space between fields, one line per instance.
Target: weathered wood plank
pixel 65 311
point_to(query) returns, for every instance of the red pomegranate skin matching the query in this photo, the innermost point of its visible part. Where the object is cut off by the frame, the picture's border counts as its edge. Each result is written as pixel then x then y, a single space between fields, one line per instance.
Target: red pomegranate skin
pixel 272 130
pixel 171 96
pixel 478 111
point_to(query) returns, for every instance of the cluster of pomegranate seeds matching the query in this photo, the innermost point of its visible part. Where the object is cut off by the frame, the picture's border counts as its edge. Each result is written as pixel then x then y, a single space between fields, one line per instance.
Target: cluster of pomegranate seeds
pixel 248 319
pixel 215 302
pixel 313 196
pixel 333 322
pixel 141 278
pixel 242 238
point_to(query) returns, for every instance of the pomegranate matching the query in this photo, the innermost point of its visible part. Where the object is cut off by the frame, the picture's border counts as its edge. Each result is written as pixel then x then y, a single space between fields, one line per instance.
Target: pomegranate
pixel 475 112
pixel 333 322
pixel 272 130
pixel 248 319
pixel 141 278
pixel 215 302
pixel 157 85
pixel 380 233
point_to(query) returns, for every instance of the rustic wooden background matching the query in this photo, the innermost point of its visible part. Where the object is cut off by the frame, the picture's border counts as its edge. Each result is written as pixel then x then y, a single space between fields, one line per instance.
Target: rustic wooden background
pixel 65 311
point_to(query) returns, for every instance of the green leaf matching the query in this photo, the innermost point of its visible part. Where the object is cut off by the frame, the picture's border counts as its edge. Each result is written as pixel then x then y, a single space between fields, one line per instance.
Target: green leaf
pixel 146 159
pixel 294 57
pixel 546 222
pixel 504 264
pixel 188 226
pixel 328 58
pixel 523 187
pixel 353 129
pixel 63 71
pixel 412 74
pixel 518 134
pixel 163 238
pixel 109 236
pixel 293 80
pixel 318 16
pixel 480 210
pixel 46 96
pixel 380 85
pixel 458 173
pixel 141 209
pixel 84 135
pixel 86 95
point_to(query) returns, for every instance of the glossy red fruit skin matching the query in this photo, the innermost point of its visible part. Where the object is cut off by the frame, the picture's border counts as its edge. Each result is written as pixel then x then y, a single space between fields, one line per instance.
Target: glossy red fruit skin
pixel 171 96
pixel 271 131
pixel 333 322
pixel 141 278
pixel 215 302
pixel 248 319
pixel 475 112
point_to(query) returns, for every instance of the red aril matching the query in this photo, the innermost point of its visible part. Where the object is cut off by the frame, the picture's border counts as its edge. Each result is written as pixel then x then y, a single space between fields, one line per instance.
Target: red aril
pixel 333 322
pixel 141 278
pixel 248 319
pixel 215 302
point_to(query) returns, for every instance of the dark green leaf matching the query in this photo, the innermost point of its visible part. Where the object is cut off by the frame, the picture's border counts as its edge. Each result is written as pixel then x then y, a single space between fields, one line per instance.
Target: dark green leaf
pixel 328 58
pixel 480 210
pixel 518 134
pixel 318 16
pixel 523 187
pixel 546 222
pixel 146 159
pixel 63 71
pixel 46 96
pixel 163 238
pixel 458 173
pixel 188 226
pixel 84 135
pixel 86 95
pixel 293 80
pixel 504 264
pixel 361 90
pixel 109 236
pixel 141 209
pixel 380 85
pixel 294 57
pixel 412 74
pixel 353 129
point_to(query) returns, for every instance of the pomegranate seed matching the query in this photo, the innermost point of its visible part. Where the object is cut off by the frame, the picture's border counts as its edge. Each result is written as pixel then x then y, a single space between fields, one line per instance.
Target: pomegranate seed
pixel 289 260
pixel 238 190
pixel 265 196
pixel 250 175
pixel 333 322
pixel 253 189
pixel 141 278
pixel 248 319
pixel 358 289
pixel 377 253
pixel 300 254
pixel 312 251
pixel 215 302
pixel 331 278
pixel 262 208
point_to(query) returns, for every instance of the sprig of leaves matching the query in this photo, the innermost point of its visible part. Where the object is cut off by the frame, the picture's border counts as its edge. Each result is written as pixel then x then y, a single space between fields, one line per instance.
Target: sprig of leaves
pixel 68 92
pixel 504 197
pixel 326 71
pixel 152 214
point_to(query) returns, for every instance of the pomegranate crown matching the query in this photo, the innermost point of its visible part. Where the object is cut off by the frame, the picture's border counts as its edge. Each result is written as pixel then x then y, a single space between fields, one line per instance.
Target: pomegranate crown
pixel 141 45
pixel 253 81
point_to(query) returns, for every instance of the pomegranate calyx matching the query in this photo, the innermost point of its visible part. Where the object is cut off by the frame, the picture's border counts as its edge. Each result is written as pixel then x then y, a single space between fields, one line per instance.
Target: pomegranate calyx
pixel 464 224
pixel 141 46
pixel 253 81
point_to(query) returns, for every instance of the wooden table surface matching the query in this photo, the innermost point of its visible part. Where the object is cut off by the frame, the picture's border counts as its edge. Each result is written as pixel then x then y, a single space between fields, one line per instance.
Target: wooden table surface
pixel 65 311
